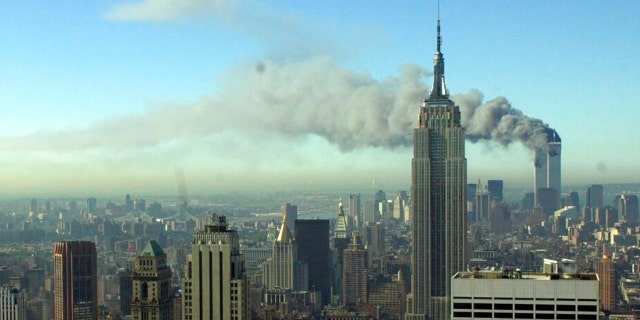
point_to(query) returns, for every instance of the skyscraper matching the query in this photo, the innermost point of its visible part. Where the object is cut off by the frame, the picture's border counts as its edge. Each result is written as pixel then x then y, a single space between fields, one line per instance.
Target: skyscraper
pixel 483 203
pixel 355 273
pixel 547 165
pixel 75 282
pixel 355 212
pixel 283 270
pixel 438 186
pixel 595 196
pixel 13 303
pixel 339 243
pixel 215 283
pixel 312 237
pixel 495 188
pixel 629 207
pixel 152 298
pixel 290 211
pixel 606 270
pixel 398 208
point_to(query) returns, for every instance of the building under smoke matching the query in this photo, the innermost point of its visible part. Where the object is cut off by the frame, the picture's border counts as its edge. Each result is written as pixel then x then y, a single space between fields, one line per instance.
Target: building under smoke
pixel 547 166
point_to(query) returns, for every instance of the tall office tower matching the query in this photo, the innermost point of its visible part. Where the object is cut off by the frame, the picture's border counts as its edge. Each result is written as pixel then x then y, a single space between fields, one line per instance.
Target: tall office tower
pixel 629 207
pixel 398 208
pixel 371 212
pixel 500 218
pixel 312 237
pixel 595 196
pixel 438 186
pixel 606 270
pixel 356 273
pixel 283 270
pixel 572 200
pixel 13 304
pixel 125 277
pixel 483 204
pixel 547 200
pixel 92 205
pixel 496 188
pixel 35 281
pixel 152 297
pixel 339 243
pixel 75 281
pixel 472 189
pixel 355 211
pixel 373 234
pixel 290 211
pixel 611 216
pixel 215 281
pixel 380 199
pixel 528 201
pixel 547 165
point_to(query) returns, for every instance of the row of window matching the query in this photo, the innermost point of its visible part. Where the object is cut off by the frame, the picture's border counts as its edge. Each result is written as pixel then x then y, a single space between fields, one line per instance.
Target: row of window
pixel 505 315
pixel 508 306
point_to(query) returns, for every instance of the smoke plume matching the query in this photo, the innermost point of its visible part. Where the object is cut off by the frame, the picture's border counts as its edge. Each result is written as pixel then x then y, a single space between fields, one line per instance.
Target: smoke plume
pixel 496 120
pixel 297 99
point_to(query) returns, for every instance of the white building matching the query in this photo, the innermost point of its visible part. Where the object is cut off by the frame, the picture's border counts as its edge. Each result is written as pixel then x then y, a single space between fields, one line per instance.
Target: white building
pixel 13 304
pixel 215 285
pixel 517 295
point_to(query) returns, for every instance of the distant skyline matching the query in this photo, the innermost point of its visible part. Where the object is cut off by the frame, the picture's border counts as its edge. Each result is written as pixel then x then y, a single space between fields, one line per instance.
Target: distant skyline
pixel 126 96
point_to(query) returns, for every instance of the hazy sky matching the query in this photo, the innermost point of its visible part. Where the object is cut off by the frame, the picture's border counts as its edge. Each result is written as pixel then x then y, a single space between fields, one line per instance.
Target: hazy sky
pixel 117 96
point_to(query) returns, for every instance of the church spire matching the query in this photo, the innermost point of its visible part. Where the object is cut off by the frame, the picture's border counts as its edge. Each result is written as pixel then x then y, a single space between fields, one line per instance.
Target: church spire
pixel 439 88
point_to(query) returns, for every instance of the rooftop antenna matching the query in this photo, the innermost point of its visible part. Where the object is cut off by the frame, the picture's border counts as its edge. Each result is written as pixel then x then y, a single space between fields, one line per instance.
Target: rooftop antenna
pixel 439 38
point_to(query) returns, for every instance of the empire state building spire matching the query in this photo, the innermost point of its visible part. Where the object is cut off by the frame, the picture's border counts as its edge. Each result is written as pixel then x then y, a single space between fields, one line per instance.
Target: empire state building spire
pixel 439 88
pixel 438 209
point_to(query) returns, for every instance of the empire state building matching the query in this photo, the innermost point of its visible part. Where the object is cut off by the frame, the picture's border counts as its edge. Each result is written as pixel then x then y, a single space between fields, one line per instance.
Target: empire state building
pixel 438 186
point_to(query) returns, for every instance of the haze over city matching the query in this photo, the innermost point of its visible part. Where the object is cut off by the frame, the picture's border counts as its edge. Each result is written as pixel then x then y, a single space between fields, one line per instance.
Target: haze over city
pixel 149 95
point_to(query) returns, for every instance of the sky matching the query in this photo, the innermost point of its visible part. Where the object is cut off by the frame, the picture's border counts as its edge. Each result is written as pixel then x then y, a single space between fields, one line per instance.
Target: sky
pixel 151 96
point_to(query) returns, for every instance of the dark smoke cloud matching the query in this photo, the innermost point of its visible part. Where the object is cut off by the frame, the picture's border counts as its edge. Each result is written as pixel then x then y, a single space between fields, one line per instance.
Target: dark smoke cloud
pixel 295 99
pixel 496 120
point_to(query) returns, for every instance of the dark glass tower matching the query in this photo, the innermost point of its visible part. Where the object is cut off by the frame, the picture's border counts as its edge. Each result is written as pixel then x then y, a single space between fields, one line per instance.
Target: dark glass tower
pixel 438 186
pixel 312 237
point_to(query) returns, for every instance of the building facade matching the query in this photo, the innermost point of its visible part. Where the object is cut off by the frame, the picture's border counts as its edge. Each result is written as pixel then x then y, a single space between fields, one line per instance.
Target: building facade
pixel 290 211
pixel 283 270
pixel 13 304
pixel 339 244
pixel 215 283
pixel 312 237
pixel 516 295
pixel 152 297
pixel 355 211
pixel 355 272
pixel 75 281
pixel 547 165
pixel 438 186
pixel 606 270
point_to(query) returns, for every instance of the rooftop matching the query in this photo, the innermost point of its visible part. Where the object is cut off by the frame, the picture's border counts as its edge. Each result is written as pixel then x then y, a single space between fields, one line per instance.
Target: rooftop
pixel 510 274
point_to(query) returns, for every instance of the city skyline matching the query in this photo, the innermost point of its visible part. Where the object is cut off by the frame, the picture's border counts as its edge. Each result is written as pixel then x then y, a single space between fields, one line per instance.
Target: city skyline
pixel 146 95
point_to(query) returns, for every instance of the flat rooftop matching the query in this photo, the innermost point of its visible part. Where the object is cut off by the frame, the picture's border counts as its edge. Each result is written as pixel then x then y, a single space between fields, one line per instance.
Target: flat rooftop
pixel 508 274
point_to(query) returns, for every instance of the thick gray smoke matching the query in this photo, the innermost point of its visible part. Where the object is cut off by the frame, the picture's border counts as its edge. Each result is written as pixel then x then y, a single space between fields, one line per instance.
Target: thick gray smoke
pixel 498 121
pixel 295 99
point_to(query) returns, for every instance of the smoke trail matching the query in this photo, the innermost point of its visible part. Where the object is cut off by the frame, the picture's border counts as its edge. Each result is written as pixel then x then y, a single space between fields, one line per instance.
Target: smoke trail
pixel 294 99
pixel 496 120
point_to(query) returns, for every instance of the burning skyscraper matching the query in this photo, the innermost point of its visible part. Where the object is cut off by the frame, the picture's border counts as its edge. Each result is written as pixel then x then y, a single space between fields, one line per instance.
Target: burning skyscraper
pixel 547 165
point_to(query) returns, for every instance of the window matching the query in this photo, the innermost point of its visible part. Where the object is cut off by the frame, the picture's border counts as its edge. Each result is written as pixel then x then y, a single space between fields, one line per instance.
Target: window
pixel 587 308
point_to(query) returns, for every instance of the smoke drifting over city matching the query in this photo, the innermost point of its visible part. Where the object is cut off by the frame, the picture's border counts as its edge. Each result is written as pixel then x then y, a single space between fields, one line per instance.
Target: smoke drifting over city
pixel 498 121
pixel 295 99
